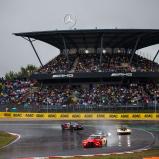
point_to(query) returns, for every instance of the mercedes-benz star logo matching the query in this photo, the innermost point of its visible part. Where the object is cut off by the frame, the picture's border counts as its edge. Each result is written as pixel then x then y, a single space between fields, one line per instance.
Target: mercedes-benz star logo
pixel 70 20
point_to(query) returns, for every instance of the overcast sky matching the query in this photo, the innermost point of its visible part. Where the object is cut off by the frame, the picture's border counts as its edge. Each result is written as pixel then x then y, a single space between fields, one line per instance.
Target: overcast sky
pixel 40 15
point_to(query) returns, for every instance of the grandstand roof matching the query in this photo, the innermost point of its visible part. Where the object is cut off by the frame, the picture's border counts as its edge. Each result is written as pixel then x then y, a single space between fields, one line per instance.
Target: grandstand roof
pixel 113 38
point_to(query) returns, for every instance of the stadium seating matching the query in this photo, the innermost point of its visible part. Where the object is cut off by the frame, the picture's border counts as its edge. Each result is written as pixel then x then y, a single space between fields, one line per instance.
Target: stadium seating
pixel 59 64
pixel 78 97
pixel 91 62
pixel 82 97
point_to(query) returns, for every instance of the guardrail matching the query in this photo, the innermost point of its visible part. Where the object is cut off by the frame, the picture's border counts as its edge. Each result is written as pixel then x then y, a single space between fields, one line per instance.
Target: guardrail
pixel 47 108
pixel 80 116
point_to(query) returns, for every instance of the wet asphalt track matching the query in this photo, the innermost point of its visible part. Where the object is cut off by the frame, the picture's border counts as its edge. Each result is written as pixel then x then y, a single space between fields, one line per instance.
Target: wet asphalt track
pixel 45 138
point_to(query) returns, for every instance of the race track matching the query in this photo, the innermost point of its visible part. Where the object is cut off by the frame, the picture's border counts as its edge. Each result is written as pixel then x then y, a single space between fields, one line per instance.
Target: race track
pixel 45 138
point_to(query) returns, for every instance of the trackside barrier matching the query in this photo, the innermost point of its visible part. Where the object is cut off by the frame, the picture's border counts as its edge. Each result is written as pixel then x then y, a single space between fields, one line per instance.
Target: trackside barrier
pixel 81 116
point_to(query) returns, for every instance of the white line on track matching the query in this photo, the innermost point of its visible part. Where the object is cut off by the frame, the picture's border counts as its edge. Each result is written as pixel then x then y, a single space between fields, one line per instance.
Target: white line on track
pixel 148 146
pixel 18 137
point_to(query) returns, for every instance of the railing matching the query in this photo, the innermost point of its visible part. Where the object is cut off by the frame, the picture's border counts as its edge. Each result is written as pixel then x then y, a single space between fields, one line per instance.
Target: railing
pixel 151 107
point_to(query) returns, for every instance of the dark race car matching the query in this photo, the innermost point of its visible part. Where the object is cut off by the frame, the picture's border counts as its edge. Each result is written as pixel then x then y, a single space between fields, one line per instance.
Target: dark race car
pixel 95 140
pixel 71 126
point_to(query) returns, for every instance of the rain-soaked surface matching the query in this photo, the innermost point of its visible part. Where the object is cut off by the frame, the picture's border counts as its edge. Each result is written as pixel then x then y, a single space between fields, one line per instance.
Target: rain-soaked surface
pixel 45 138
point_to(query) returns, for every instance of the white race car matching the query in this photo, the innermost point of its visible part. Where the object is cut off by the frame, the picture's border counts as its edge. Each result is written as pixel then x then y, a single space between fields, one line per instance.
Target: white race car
pixel 123 131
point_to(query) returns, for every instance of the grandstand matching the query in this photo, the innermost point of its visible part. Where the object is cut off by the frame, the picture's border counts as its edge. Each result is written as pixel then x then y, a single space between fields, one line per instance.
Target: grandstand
pixel 96 70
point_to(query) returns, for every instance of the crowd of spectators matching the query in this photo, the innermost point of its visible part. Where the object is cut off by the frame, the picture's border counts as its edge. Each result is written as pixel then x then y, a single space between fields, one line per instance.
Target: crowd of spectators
pixel 22 93
pixel 60 64
pixel 98 94
pixel 14 92
pixel 117 62
pixel 93 62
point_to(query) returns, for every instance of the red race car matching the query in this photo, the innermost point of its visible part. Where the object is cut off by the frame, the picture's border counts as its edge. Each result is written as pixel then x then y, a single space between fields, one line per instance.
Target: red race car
pixel 95 140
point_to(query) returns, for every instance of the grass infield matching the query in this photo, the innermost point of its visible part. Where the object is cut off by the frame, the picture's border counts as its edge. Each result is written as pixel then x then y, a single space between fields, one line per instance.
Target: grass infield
pixel 137 155
pixel 6 138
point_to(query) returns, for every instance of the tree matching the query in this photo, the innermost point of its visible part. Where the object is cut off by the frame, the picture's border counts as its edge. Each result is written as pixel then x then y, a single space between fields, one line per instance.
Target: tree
pixel 25 72
pixel 11 75
pixel 31 69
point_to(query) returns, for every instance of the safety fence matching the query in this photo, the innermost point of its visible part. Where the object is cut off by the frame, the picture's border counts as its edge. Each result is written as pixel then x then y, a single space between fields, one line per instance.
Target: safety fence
pixel 80 116
pixel 82 108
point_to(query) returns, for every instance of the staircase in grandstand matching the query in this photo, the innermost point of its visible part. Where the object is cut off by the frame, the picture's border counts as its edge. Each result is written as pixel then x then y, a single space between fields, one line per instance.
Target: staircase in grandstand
pixel 75 64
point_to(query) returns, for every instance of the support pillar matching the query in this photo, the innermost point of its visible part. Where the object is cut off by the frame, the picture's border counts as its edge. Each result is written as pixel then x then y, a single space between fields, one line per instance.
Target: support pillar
pixel 135 47
pixel 66 54
pixel 156 55
pixel 35 51
pixel 101 48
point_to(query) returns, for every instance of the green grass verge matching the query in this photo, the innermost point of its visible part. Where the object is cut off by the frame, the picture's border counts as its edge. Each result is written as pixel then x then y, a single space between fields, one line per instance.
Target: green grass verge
pixel 6 138
pixel 136 155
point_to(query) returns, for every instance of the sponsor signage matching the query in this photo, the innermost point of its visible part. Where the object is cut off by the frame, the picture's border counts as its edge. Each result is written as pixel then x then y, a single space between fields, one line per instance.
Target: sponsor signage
pixel 64 115
pixel 148 116
pixel 88 115
pixel 7 115
pixel 62 76
pixel 124 116
pixel 101 116
pixel 95 75
pixel 82 116
pixel 17 115
pixel 113 116
pixel 52 115
pixel 30 115
pixel 41 115
pixel 121 74
pixel 136 116
pixel 157 116
pixel 76 116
